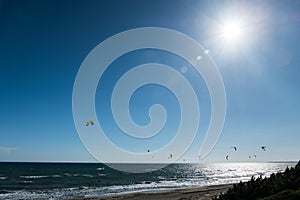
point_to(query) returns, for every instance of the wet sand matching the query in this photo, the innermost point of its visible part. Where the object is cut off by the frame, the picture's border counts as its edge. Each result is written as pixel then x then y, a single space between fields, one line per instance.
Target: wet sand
pixel 201 193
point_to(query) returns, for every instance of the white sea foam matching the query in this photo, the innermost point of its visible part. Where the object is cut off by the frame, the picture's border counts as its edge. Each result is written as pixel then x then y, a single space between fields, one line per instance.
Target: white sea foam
pixel 56 176
pixel 67 174
pixel 33 177
pixel 87 175
pixel 26 181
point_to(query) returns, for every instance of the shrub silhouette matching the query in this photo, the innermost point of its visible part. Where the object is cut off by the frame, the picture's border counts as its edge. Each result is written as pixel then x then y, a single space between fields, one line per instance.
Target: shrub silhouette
pixel 282 185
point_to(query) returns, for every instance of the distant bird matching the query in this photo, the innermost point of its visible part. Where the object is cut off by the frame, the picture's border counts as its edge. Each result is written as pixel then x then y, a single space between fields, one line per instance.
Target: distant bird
pixel 263 148
pixel 89 122
pixel 234 147
pixel 227 157
pixel 254 156
pixel 170 156
pixel 249 157
pixel 148 150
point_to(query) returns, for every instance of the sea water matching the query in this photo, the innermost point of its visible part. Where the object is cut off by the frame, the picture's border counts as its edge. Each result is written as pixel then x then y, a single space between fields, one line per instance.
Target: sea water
pixel 75 180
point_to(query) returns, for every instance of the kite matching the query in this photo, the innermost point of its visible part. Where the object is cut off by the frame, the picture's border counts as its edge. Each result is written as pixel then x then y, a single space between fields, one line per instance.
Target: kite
pixel 234 147
pixel 89 122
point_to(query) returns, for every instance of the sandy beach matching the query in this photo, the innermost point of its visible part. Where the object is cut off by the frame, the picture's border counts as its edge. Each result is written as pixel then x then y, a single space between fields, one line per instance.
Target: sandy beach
pixel 201 193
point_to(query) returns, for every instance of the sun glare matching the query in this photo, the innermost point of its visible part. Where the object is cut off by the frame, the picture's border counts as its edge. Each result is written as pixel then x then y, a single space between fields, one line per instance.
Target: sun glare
pixel 231 31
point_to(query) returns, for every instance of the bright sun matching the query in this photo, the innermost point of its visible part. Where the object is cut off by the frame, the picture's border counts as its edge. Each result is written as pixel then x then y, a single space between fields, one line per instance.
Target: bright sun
pixel 231 31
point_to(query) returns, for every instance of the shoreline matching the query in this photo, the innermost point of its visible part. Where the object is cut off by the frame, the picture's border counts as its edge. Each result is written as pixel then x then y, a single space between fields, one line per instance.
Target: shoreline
pixel 200 193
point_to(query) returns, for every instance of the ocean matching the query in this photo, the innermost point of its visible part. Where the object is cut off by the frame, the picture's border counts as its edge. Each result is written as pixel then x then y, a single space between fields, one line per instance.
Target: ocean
pixel 74 180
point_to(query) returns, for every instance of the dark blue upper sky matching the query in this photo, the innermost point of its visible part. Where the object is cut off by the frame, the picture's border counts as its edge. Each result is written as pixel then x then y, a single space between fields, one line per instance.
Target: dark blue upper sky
pixel 43 43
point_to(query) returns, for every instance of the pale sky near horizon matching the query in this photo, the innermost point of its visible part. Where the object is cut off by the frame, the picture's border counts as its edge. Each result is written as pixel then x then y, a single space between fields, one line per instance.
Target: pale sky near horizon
pixel 43 44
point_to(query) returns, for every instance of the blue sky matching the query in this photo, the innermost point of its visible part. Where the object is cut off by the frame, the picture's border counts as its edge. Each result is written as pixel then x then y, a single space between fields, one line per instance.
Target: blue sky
pixel 43 44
